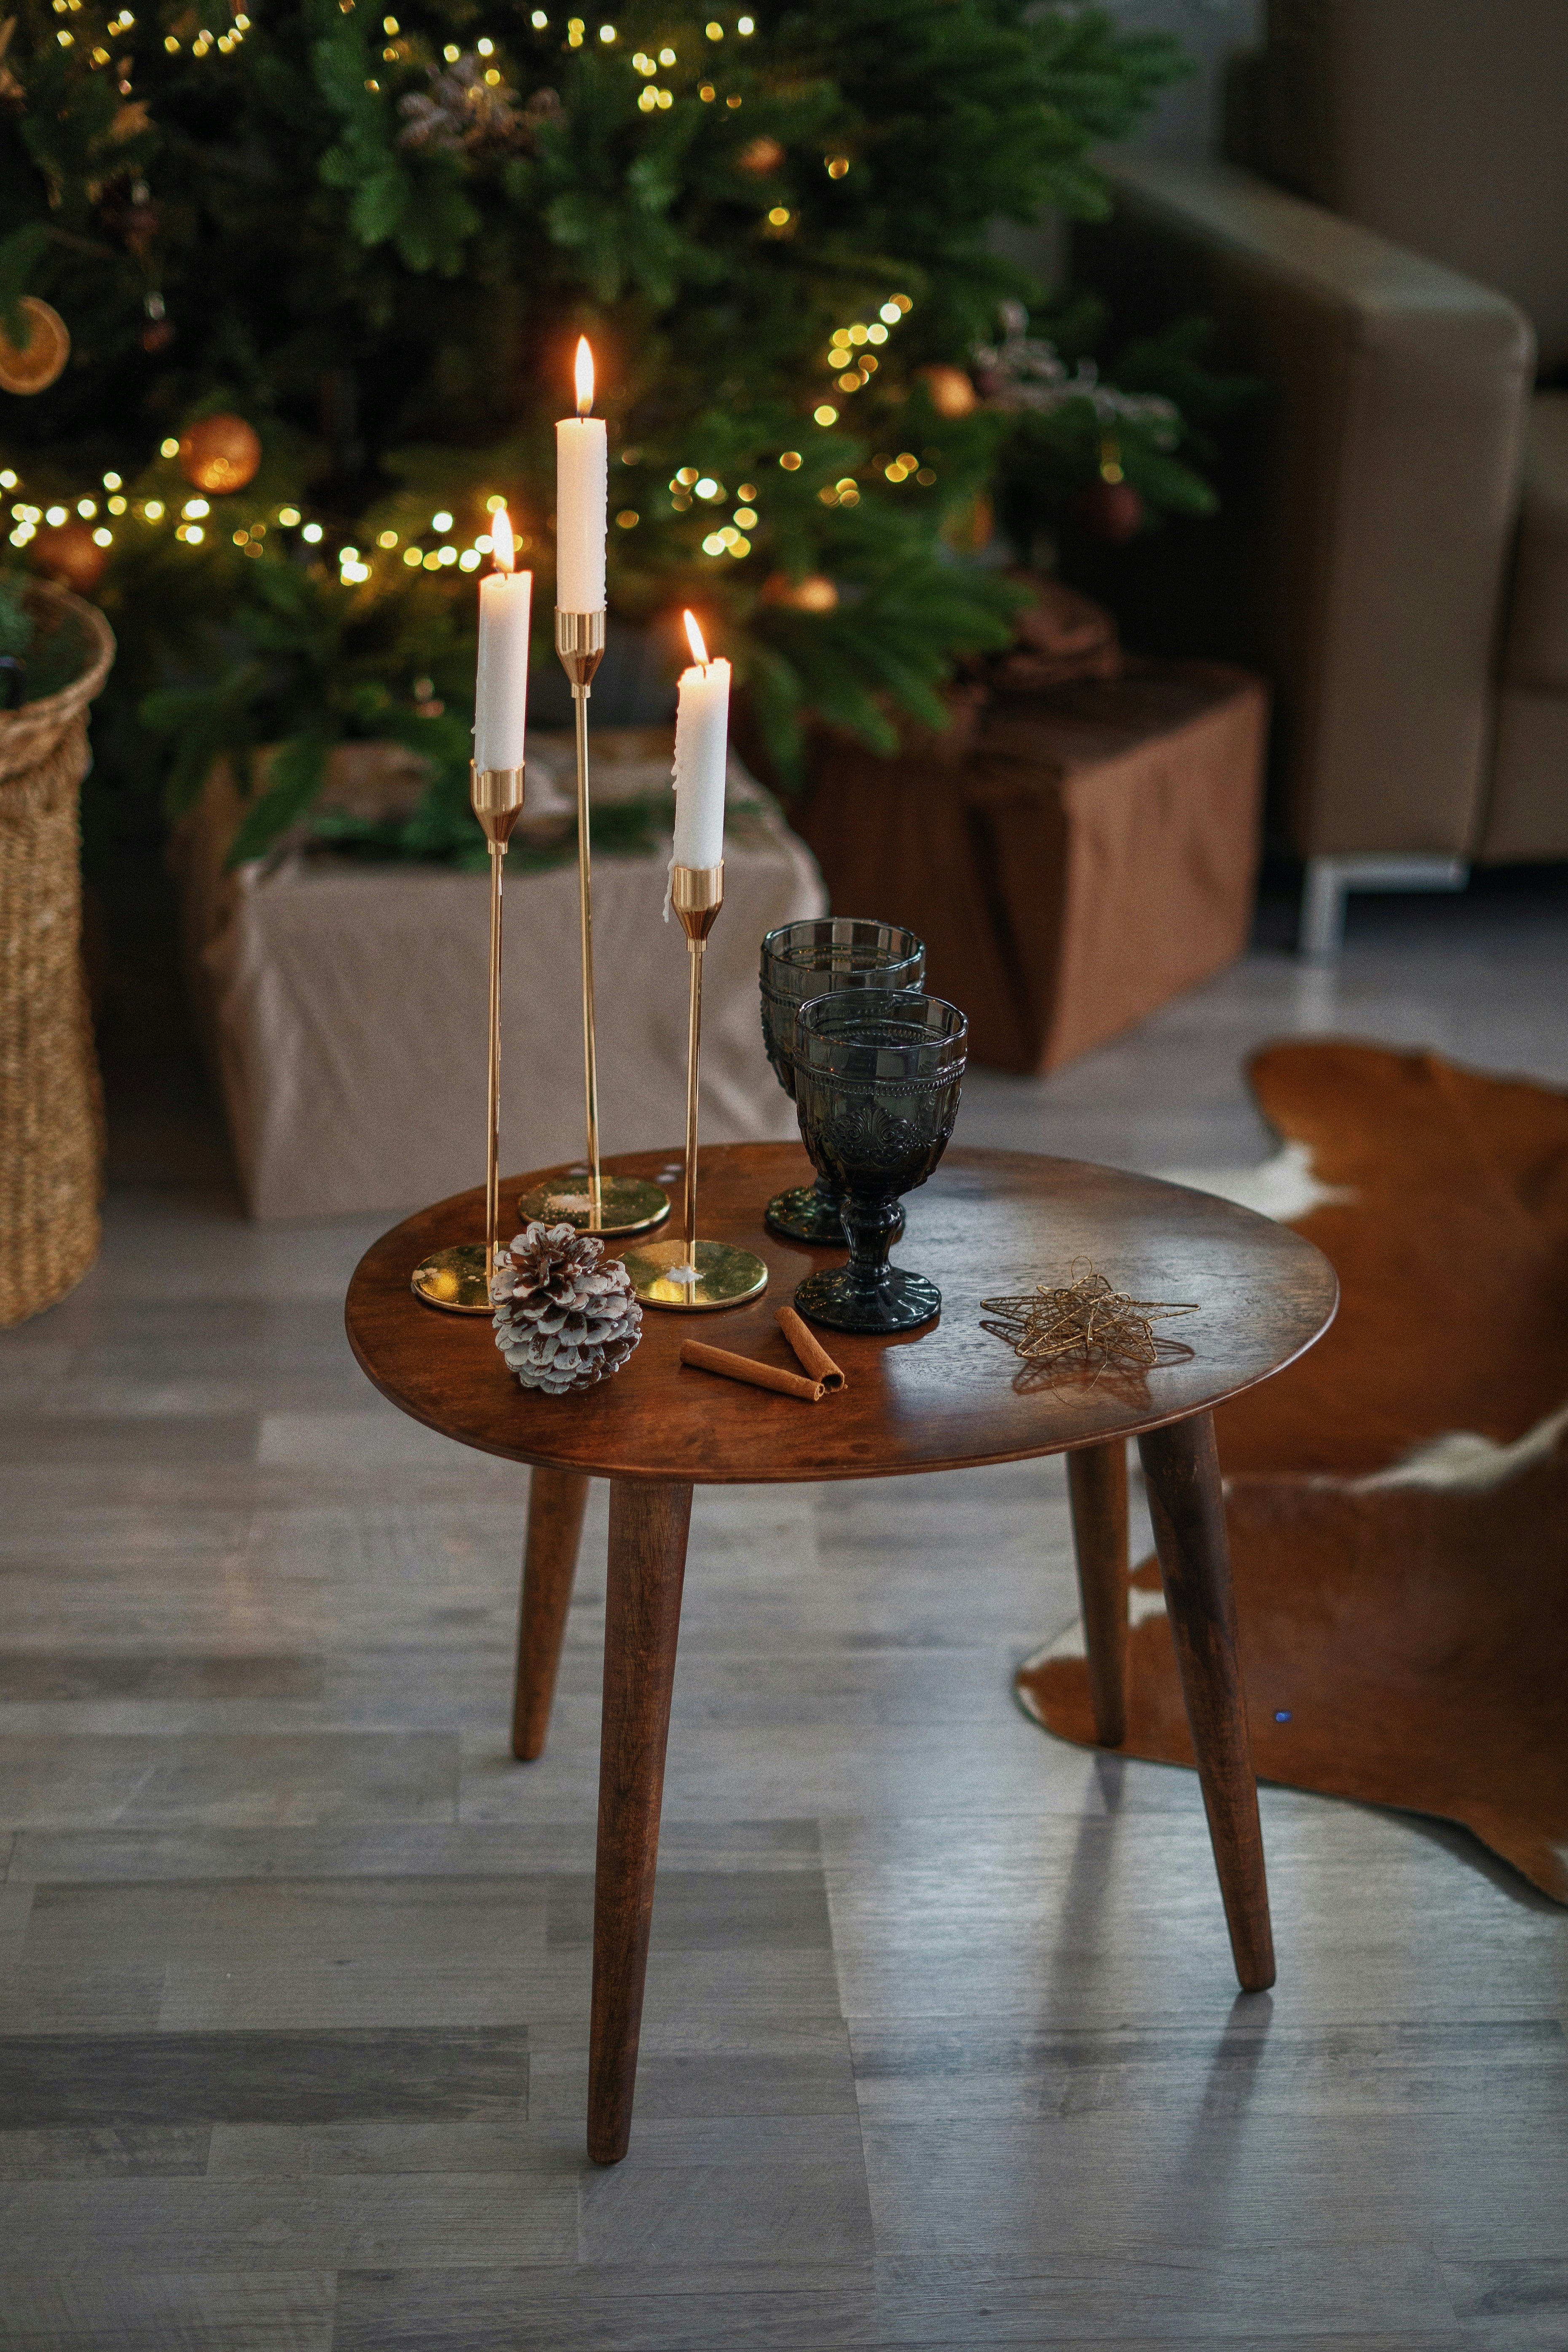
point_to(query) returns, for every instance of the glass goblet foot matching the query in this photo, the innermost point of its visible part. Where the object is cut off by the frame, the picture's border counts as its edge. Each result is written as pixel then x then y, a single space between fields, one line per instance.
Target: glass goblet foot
pixel 902 1303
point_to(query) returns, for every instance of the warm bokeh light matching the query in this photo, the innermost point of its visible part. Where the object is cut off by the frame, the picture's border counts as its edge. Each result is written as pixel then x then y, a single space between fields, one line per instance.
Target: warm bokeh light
pixel 584 376
pixel 502 545
pixel 694 636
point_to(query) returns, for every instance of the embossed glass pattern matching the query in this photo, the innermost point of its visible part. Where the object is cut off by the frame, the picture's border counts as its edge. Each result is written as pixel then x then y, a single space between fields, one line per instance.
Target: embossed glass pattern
pixel 801 961
pixel 876 1082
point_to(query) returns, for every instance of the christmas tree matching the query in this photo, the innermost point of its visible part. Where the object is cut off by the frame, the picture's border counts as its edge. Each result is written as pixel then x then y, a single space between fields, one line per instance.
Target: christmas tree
pixel 323 272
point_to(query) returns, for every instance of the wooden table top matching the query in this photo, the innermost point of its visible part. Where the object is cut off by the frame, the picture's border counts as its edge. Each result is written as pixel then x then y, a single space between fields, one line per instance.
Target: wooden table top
pixel 943 1398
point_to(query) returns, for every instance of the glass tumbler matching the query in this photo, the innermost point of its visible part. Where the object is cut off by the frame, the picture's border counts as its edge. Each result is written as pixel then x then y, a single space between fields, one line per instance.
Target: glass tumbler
pixel 876 1082
pixel 801 961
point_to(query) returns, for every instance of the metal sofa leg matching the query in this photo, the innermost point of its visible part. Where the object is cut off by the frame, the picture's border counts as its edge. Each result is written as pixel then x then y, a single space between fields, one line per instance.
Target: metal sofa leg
pixel 1328 881
pixel 1320 932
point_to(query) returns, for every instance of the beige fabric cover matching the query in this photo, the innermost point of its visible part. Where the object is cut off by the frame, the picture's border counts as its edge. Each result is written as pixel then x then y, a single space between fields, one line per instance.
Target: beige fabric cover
pixel 1440 124
pixel 1384 513
pixel 345 1006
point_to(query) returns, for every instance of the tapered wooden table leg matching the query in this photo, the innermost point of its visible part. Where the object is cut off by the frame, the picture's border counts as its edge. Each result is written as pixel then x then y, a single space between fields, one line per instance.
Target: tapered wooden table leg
pixel 649 1526
pixel 1097 1483
pixel 1187 1507
pixel 556 1501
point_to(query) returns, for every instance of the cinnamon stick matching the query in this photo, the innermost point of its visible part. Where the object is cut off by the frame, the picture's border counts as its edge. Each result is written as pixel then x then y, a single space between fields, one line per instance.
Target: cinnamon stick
pixel 809 1349
pixel 704 1359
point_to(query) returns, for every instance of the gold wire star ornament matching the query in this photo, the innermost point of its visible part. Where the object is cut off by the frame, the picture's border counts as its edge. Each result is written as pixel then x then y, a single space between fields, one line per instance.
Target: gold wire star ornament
pixel 1083 1325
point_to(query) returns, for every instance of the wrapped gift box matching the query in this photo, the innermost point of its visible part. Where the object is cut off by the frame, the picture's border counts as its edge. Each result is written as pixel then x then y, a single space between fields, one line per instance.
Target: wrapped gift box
pixel 1072 859
pixel 343 1003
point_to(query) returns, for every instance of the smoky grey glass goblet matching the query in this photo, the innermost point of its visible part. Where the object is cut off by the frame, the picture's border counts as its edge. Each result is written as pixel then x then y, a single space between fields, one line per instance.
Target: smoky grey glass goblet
pixel 809 958
pixel 876 1083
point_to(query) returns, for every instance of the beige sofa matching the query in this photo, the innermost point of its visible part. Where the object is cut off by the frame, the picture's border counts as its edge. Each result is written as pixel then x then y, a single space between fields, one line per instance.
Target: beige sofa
pixel 1395 265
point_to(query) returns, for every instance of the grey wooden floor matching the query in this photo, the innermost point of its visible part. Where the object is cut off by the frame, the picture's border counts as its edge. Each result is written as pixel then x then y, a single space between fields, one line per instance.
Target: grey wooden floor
pixel 942 2045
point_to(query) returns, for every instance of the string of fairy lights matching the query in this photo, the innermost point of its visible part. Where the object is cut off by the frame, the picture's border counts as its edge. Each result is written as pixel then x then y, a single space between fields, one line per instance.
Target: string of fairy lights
pixel 852 361
pixel 192 523
pixel 194 526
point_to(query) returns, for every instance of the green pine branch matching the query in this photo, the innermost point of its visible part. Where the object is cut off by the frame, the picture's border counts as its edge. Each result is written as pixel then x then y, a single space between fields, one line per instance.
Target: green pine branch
pixel 247 227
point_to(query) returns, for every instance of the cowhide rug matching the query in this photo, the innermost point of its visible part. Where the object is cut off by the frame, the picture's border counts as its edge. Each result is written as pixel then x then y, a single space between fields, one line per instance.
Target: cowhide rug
pixel 1397 1500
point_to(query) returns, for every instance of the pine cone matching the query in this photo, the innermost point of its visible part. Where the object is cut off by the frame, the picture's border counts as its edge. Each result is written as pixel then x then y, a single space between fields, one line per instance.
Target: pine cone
pixel 562 1319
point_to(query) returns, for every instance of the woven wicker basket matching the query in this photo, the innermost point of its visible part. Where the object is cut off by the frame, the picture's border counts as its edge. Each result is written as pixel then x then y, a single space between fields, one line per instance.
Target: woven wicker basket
pixel 51 1104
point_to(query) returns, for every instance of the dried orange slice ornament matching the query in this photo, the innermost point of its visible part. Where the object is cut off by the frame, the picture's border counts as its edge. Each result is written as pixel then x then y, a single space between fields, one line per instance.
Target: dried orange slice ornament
pixel 34 365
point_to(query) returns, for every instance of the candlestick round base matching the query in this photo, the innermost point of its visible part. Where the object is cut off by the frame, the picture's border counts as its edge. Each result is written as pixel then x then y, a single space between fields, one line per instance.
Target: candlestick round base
pixel 695 1277
pixel 454 1280
pixel 627 1205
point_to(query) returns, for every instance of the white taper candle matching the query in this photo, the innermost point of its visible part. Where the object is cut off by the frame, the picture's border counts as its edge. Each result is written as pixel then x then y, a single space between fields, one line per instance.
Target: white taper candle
pixel 701 755
pixel 582 499
pixel 500 693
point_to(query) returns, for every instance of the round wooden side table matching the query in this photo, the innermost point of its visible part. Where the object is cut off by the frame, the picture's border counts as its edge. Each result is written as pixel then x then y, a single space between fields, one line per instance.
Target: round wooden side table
pixel 947 1397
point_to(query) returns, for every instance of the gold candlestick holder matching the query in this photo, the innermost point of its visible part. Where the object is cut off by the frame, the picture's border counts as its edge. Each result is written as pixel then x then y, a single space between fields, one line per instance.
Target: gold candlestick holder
pixel 458 1279
pixel 608 1204
pixel 690 1273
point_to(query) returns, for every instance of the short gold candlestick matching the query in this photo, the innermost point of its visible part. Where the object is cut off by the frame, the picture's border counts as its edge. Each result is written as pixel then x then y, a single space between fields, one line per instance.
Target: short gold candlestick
pixel 458 1278
pixel 606 1204
pixel 690 1273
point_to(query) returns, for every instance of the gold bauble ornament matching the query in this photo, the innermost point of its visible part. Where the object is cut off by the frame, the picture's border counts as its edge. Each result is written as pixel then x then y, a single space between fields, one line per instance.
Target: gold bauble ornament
pixel 66 552
pixel 219 454
pixel 814 594
pixel 763 155
pixel 949 390
pixel 34 365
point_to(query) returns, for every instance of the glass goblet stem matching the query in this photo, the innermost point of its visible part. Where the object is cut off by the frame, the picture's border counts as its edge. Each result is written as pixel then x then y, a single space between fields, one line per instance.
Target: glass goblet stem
pixel 870 1227
pixel 827 1198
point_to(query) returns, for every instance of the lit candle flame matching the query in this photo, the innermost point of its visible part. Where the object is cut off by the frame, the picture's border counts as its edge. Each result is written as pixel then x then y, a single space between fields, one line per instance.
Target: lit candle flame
pixel 584 376
pixel 694 636
pixel 503 547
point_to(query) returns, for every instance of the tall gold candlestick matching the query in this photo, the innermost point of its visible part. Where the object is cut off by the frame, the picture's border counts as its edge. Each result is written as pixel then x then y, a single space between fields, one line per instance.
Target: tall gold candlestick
pixel 696 946
pixel 458 1278
pixel 690 1273
pixel 614 1204
pixel 580 642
